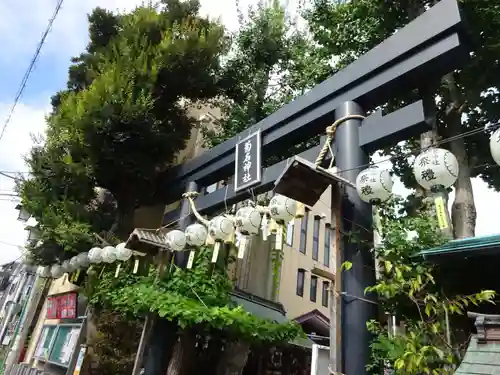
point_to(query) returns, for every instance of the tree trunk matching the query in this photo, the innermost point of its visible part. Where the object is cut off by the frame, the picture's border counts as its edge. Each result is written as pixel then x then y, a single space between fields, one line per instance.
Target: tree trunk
pixel 183 355
pixel 234 359
pixel 123 225
pixel 463 211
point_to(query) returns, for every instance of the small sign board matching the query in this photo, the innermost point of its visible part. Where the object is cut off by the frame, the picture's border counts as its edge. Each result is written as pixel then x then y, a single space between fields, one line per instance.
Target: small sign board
pixel 248 163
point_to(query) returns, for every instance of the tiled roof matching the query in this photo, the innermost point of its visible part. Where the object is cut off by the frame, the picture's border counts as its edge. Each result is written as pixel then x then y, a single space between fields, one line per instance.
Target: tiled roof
pixel 483 353
pixel 481 359
pixel 480 245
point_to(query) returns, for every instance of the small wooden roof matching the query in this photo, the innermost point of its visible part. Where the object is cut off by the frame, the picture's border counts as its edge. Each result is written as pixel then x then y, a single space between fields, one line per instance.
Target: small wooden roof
pixel 148 241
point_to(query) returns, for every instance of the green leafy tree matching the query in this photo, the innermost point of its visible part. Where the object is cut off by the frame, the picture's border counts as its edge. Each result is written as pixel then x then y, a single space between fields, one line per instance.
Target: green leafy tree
pixel 123 118
pixel 121 121
pixel 271 62
pixel 409 288
pixel 467 98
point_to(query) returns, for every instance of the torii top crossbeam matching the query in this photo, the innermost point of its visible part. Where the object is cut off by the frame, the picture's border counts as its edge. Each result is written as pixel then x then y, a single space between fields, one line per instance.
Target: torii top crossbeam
pixel 424 50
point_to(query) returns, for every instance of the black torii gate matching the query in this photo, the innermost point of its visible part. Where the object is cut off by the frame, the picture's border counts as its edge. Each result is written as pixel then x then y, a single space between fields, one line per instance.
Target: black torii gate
pixel 418 54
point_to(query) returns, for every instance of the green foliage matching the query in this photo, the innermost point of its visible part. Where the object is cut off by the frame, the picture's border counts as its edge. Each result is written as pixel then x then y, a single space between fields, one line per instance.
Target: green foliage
pixel 271 62
pixel 407 289
pixel 113 328
pixel 347 29
pixel 120 123
pixel 196 299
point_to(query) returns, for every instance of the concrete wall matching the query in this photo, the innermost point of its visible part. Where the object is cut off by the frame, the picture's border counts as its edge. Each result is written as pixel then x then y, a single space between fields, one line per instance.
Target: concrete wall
pixel 294 304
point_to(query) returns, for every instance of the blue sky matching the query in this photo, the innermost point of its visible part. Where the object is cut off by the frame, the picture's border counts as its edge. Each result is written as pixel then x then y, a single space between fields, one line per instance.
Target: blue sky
pixel 22 23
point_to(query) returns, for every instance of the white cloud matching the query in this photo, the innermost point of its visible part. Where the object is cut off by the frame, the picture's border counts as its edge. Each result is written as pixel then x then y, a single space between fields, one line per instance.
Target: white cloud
pixel 15 144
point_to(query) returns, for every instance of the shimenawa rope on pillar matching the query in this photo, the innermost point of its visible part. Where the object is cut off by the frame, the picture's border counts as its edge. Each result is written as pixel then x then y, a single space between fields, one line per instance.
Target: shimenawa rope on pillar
pixel 330 135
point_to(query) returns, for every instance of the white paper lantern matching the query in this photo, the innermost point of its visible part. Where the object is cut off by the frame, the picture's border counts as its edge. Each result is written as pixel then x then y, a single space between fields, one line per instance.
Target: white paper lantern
pixel 282 208
pixel 374 185
pixel 495 146
pixel 435 168
pixel 83 259
pixel 44 272
pixel 123 253
pixel 196 234
pixel 220 228
pixel 109 254
pixel 67 267
pixel 248 220
pixel 73 262
pixel 56 271
pixel 175 240
pixel 95 255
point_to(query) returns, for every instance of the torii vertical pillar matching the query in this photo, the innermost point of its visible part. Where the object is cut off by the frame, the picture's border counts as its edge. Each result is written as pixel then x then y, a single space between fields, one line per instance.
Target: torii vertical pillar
pixel 356 218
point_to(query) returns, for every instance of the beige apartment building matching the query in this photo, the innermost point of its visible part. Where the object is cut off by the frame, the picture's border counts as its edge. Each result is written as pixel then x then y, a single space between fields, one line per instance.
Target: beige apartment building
pixel 309 245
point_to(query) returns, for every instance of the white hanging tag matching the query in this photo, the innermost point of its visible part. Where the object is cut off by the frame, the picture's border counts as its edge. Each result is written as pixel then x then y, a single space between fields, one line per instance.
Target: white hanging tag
pixel 117 272
pixel 215 254
pixel 242 246
pixel 265 228
pixel 190 260
pixel 136 266
pixel 279 238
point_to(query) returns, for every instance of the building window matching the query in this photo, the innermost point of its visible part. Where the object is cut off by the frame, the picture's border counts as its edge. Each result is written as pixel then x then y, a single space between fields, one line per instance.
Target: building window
pixel 303 233
pixel 326 254
pixel 313 290
pixel 289 233
pixel 315 250
pixel 324 293
pixel 300 282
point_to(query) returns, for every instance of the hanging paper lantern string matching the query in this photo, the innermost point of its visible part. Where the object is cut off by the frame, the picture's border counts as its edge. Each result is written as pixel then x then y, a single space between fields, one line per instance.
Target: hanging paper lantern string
pixel 247 221
pixel 281 210
pixel 196 236
pixel 220 229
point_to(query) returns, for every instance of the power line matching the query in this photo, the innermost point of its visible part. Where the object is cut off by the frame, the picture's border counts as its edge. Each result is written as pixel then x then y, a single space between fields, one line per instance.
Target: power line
pixel 416 152
pixel 26 76
pixel 7 175
pixel 11 244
